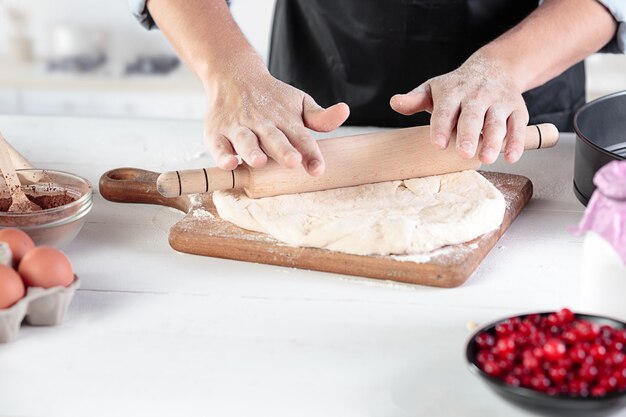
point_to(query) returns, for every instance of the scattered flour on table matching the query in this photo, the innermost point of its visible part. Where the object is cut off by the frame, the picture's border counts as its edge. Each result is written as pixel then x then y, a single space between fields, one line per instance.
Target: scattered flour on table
pixel 195 200
pixel 472 325
pixel 380 283
pixel 447 252
pixel 200 212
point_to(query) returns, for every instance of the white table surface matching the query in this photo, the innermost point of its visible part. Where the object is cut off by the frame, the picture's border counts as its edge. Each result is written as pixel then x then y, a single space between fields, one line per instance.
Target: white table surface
pixel 159 333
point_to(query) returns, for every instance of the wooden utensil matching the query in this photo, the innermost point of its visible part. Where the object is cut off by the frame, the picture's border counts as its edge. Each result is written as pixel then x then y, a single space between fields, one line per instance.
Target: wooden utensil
pixel 20 203
pixel 26 172
pixel 203 232
pixel 351 160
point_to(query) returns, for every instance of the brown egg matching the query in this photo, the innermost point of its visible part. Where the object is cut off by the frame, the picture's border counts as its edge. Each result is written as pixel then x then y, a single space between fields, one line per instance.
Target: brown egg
pixel 11 287
pixel 46 267
pixel 19 242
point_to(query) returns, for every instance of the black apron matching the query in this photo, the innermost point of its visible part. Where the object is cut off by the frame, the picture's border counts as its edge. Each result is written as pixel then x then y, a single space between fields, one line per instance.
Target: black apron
pixel 364 51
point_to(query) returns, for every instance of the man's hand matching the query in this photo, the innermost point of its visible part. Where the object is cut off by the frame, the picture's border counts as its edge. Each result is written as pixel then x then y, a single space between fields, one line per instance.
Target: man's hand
pixel 479 97
pixel 485 93
pixel 250 113
pixel 256 116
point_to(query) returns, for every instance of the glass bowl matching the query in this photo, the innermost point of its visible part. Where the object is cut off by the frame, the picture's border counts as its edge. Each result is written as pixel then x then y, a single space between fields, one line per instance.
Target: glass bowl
pixel 55 226
pixel 540 402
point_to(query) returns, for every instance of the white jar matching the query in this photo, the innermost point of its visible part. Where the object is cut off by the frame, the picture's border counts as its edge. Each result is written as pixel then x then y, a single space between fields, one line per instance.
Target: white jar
pixel 603 278
pixel 603 263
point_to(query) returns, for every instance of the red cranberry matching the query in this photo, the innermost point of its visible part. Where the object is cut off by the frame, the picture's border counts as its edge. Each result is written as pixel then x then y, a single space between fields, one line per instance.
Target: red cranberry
pixel 537 352
pixel 620 336
pixel 505 346
pixel 531 362
pixel 526 328
pixel 565 315
pixel 606 331
pixel 485 340
pixel 608 382
pixel 620 376
pixel 577 354
pixel 557 374
pixel 570 336
pixel 588 359
pixel 512 380
pixel 519 371
pixel 537 338
pixel 565 363
pixel 598 391
pixel 588 373
pixel 505 365
pixel 540 382
pixel 483 356
pixel 534 319
pixel 554 349
pixel 504 329
pixel 587 331
pixel 578 388
pixel 604 341
pixel 616 345
pixel 614 358
pixel 553 320
pixel 597 352
pixel 492 368
pixel 520 339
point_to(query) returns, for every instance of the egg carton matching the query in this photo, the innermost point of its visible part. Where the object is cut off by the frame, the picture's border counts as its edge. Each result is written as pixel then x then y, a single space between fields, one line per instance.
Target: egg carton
pixel 40 307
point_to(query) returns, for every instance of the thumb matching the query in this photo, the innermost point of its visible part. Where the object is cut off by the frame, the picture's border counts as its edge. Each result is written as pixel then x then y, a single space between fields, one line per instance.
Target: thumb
pixel 323 120
pixel 417 100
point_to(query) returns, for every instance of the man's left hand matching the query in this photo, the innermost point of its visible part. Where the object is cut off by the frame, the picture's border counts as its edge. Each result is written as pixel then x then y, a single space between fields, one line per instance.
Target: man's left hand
pixel 478 97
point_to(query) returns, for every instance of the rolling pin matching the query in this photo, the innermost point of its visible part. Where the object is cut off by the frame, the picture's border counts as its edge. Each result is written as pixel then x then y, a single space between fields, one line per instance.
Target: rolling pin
pixel 350 160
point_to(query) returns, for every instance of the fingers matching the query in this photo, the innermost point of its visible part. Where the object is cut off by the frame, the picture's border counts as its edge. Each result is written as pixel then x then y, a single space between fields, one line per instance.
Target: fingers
pixel 415 101
pixel 496 124
pixel 277 146
pixel 494 131
pixel 515 135
pixel 246 144
pixel 222 151
pixel 468 128
pixel 320 119
pixel 443 121
pixel 312 158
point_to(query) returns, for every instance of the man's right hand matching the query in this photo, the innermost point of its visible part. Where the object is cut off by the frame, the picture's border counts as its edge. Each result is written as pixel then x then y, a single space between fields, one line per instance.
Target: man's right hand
pixel 250 113
pixel 255 116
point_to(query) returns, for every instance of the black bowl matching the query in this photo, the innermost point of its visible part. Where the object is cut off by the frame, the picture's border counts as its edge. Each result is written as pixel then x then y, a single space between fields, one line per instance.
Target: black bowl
pixel 600 128
pixel 538 400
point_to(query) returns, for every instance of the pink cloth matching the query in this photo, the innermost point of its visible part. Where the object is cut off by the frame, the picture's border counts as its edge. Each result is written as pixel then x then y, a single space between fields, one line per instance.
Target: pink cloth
pixel 606 211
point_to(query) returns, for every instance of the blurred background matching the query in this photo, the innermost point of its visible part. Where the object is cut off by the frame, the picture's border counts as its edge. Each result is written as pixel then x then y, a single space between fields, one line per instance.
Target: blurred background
pixel 91 58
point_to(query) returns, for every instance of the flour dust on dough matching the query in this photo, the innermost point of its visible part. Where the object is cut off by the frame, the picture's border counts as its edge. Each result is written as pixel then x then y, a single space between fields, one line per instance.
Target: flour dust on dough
pixel 396 217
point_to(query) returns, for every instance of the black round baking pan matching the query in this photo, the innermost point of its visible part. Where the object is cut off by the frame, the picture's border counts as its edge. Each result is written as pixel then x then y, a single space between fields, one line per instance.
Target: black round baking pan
pixel 600 127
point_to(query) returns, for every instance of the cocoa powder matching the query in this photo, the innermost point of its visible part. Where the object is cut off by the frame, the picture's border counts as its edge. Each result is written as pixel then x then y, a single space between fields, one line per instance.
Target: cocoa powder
pixel 46 201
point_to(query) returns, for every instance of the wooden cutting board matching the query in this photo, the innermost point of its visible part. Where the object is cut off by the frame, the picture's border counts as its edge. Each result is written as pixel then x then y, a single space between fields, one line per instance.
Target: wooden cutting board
pixel 203 232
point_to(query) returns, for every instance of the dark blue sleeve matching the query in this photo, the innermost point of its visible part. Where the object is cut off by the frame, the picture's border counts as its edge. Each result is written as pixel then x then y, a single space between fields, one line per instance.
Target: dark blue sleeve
pixel 141 13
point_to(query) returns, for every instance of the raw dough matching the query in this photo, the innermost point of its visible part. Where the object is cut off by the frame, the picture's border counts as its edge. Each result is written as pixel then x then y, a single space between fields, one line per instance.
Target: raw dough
pixel 396 217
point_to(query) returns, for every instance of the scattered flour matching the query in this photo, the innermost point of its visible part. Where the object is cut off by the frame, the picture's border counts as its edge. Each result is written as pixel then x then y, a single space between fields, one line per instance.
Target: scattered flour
pixel 200 212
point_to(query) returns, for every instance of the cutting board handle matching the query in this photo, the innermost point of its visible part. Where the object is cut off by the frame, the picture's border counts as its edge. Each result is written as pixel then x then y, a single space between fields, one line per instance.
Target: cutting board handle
pixel 133 185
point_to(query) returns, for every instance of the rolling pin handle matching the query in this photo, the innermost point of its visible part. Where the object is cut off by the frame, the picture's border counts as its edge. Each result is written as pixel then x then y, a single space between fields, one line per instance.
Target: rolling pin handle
pixel 204 180
pixel 541 136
